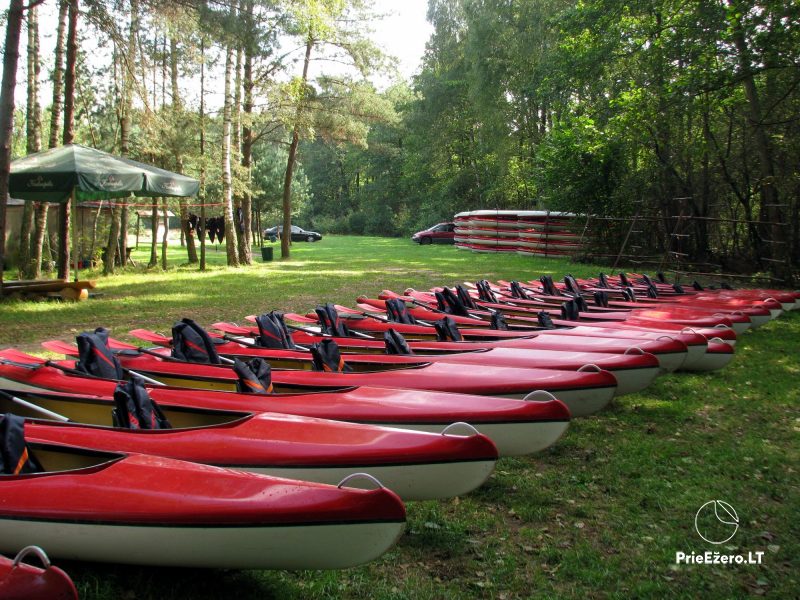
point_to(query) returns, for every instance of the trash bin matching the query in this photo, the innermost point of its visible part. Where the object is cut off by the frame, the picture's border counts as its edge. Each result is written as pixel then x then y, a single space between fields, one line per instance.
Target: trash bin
pixel 266 253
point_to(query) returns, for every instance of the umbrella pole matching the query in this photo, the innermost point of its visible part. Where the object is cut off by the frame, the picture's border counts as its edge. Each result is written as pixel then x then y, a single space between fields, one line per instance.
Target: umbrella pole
pixel 75 233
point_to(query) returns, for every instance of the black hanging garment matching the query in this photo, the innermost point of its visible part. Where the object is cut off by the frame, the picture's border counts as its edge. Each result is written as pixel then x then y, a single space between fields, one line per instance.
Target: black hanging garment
pixel 395 343
pixel 255 376
pixel 544 320
pixel 498 321
pixel 134 409
pixel 580 304
pixel 397 312
pixel 15 456
pixel 603 281
pixel 447 331
pixel 330 322
pixel 191 343
pixel 624 280
pixel 273 333
pixel 326 357
pixel 94 356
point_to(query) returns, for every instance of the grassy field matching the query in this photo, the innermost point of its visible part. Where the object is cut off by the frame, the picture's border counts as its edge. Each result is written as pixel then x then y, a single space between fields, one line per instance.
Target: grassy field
pixel 601 514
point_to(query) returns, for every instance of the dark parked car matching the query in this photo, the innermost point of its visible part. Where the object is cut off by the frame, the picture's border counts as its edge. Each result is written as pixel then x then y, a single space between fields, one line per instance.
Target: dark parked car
pixel 442 233
pixel 298 234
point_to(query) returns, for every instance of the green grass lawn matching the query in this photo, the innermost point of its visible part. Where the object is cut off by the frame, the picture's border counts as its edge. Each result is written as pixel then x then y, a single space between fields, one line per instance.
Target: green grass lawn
pixel 601 514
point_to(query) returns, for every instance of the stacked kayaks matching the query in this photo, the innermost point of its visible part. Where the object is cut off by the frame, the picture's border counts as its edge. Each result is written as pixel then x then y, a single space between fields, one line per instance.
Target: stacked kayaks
pixel 293 441
pixel 532 232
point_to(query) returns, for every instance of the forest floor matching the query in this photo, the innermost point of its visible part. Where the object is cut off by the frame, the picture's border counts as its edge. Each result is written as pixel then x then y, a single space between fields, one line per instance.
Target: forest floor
pixel 601 514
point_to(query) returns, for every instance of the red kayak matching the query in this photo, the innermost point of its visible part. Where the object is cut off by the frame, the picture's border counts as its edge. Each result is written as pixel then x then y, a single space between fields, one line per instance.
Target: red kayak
pixel 21 581
pixel 633 371
pixel 516 427
pixel 672 353
pixel 584 391
pixel 137 509
pixel 414 464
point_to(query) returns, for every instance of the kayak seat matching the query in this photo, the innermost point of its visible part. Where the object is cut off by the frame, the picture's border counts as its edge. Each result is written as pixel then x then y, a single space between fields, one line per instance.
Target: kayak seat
pixel 326 357
pixel 273 333
pixel 255 376
pixel 396 343
pixel 134 409
pixel 94 356
pixel 16 458
pixel 191 343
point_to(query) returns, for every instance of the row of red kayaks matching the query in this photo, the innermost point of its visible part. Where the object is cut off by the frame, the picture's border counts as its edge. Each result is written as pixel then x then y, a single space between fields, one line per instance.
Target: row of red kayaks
pixel 293 441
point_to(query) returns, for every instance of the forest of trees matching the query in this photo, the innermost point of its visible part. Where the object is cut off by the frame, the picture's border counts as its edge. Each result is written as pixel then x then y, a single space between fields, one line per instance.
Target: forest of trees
pixel 682 115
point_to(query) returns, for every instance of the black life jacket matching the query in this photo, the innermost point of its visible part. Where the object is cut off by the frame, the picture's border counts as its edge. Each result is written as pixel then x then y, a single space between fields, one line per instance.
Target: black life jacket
pixel 660 277
pixel 395 343
pixel 624 280
pixel 326 357
pixel 498 321
pixel 255 376
pixel 544 320
pixel 330 322
pixel 464 296
pixel 652 292
pixel 517 291
pixel 603 281
pixel 134 409
pixel 448 302
pixel 572 285
pixel 629 295
pixel 548 286
pixel 15 456
pixel 678 289
pixel 601 299
pixel 397 312
pixel 273 333
pixel 191 343
pixel 569 311
pixel 94 356
pixel 485 292
pixel 447 331
pixel 580 303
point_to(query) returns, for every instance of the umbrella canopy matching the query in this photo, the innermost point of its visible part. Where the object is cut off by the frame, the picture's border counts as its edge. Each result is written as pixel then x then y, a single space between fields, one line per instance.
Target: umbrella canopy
pixel 52 176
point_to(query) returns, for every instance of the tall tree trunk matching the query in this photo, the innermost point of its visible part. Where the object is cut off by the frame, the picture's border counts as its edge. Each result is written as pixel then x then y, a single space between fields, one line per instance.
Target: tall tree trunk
pixel 286 238
pixel 117 245
pixel 242 238
pixel 33 122
pixel 202 153
pixel 154 234
pixel 187 234
pixel 69 131
pixel 247 141
pixel 770 208
pixel 10 60
pixel 227 191
pixel 165 237
pixel 58 74
pixel 34 267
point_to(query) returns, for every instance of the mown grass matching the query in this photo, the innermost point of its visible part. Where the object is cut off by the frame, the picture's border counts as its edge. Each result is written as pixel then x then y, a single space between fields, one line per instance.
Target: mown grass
pixel 601 514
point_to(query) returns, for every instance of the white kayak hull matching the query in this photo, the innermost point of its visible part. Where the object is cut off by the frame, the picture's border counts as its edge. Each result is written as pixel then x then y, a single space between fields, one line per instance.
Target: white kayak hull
pixel 431 481
pixel 304 546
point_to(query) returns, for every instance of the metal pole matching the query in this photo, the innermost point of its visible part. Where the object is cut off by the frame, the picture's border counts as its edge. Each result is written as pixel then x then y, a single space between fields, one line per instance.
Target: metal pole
pixel 75 249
